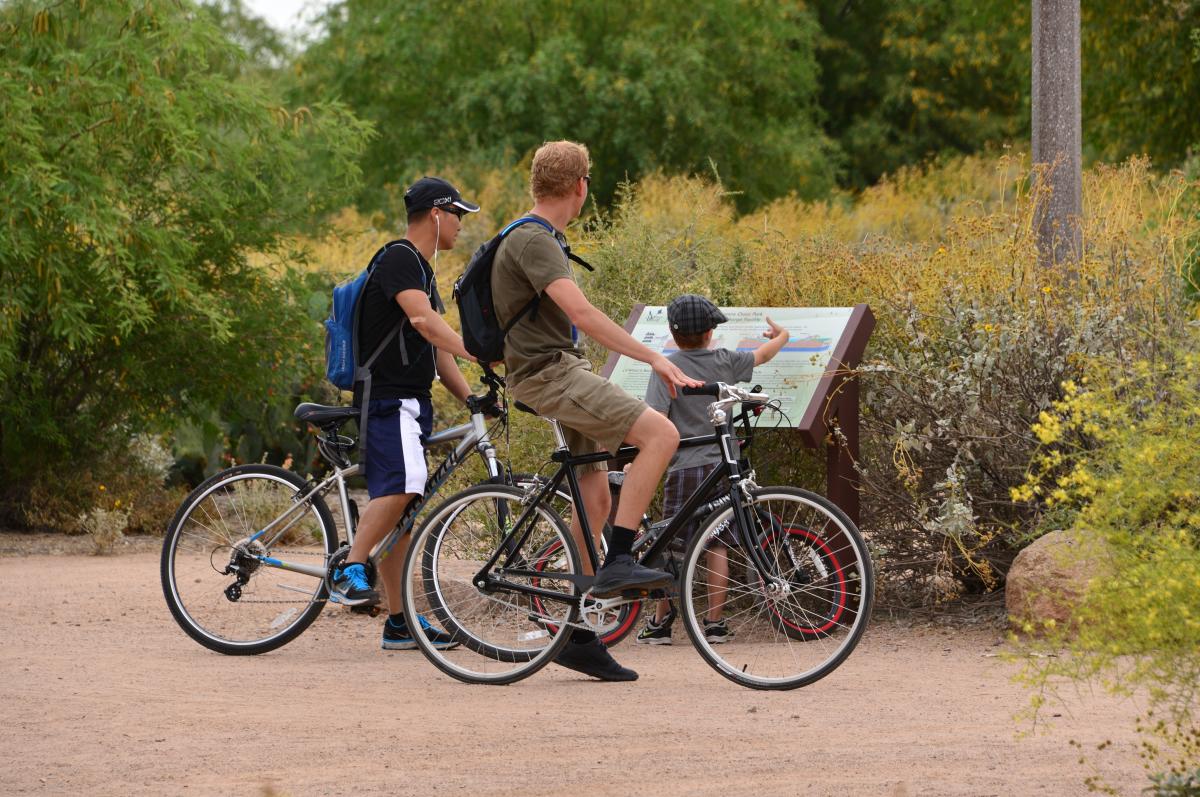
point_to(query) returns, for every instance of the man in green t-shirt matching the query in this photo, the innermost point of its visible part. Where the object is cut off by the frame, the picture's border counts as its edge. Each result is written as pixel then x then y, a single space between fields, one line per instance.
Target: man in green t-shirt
pixel 546 369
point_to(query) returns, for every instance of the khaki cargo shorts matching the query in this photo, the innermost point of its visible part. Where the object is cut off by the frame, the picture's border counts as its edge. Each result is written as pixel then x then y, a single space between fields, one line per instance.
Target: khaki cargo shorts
pixel 596 415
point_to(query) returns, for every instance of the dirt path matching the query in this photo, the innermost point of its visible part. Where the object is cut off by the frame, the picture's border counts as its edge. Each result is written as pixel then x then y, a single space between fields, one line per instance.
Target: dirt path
pixel 101 693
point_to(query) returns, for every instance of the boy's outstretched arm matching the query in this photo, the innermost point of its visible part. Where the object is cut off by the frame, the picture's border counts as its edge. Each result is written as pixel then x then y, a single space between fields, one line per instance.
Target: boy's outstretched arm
pixel 776 336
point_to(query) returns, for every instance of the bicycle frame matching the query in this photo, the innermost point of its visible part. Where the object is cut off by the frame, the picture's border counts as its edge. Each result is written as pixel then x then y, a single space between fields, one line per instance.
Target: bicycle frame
pixel 472 435
pixel 737 495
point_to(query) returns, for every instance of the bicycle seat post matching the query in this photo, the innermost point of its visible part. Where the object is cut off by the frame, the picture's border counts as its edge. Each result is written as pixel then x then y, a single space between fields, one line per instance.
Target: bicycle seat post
pixel 560 440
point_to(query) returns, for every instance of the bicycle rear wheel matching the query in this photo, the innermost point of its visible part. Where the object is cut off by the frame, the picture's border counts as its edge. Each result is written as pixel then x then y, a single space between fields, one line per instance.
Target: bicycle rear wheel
pixel 504 636
pixel 791 626
pixel 269 603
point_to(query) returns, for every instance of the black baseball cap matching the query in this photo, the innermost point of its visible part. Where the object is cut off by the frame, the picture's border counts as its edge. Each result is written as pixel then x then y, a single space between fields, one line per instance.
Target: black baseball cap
pixel 434 192
pixel 691 314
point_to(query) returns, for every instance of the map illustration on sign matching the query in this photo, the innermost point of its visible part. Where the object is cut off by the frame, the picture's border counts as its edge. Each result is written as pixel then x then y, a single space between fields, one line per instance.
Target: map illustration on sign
pixel 791 377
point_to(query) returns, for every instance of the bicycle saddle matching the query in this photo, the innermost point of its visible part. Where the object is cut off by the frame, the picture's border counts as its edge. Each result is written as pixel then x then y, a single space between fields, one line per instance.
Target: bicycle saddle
pixel 319 413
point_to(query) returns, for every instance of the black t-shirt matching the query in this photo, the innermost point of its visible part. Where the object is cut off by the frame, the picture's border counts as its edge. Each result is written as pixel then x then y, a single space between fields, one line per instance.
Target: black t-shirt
pixel 401 268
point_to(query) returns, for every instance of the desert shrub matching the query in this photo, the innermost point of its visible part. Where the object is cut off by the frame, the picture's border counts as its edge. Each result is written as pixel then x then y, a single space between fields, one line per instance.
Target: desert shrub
pixel 106 527
pixel 1118 468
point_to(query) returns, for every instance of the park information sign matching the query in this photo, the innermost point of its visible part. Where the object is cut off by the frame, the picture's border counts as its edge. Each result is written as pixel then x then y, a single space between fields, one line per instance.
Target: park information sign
pixel 793 376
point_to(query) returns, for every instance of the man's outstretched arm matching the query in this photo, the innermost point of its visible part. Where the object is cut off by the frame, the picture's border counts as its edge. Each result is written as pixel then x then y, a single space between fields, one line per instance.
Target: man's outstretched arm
pixel 610 335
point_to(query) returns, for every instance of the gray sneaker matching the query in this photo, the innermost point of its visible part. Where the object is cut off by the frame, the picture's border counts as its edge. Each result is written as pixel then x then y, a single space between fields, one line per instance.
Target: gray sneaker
pixel 717 633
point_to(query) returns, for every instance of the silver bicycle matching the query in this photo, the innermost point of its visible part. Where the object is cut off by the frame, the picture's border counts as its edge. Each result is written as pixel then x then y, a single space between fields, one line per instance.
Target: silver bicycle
pixel 247 558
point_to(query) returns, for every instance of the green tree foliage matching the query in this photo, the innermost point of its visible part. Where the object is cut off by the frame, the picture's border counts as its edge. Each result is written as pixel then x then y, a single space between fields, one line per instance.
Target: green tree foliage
pixel 263 49
pixel 137 175
pixel 906 79
pixel 647 85
pixel 1141 78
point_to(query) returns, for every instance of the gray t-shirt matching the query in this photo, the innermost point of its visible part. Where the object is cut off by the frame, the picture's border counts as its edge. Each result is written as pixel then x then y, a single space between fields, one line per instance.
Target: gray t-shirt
pixel 690 413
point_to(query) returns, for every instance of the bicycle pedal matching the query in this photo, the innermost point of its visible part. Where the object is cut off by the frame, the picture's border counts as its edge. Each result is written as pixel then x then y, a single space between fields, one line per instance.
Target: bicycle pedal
pixel 635 594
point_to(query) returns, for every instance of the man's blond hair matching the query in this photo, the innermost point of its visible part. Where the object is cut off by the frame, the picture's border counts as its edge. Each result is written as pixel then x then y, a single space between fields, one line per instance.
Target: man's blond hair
pixel 557 165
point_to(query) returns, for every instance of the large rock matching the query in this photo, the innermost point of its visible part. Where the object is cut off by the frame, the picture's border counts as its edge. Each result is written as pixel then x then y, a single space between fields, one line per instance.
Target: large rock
pixel 1047 579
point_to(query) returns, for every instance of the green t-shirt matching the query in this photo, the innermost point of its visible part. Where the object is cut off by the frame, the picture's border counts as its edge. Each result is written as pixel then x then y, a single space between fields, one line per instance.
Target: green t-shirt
pixel 529 259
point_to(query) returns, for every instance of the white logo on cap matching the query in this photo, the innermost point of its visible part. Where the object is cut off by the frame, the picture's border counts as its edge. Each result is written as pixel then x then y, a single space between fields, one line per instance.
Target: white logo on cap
pixel 442 200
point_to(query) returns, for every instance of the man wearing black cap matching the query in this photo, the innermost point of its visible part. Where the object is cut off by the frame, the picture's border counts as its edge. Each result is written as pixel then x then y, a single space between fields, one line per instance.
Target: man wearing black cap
pixel 403 288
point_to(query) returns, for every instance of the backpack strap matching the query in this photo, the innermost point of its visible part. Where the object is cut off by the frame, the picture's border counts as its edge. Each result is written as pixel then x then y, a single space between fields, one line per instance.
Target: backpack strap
pixel 566 249
pixel 531 307
pixel 362 373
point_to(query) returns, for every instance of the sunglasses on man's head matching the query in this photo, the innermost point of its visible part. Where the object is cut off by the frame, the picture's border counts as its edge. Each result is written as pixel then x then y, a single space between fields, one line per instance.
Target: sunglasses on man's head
pixel 458 212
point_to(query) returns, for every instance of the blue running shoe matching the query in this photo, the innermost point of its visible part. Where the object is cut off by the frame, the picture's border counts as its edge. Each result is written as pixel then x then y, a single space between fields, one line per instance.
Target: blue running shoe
pixel 351 588
pixel 400 637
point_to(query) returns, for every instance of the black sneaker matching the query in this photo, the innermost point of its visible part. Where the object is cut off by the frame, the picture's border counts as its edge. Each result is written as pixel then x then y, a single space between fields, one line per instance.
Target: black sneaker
pixel 656 633
pixel 592 658
pixel 400 637
pixel 717 633
pixel 622 573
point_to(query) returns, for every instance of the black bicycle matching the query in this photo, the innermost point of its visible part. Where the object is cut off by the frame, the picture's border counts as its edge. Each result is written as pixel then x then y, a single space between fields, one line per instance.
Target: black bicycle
pixel 785 569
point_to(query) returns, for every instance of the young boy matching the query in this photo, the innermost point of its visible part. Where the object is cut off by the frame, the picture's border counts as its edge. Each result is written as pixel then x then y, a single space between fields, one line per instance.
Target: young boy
pixel 692 320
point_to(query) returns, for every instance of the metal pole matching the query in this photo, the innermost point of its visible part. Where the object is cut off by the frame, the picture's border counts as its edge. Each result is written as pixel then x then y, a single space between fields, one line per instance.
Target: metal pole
pixel 841 480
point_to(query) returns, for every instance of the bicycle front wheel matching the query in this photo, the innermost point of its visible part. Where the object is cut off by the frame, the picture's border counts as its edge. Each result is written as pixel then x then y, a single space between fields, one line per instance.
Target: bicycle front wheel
pixel 503 633
pixel 236 593
pixel 795 623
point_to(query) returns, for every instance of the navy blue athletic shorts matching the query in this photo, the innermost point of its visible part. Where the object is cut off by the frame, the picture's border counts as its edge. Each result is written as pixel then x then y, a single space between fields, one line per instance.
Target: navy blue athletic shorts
pixel 395 461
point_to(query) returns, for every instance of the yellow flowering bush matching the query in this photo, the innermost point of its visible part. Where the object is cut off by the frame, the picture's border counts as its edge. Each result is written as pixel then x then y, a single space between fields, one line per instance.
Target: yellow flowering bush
pixel 1121 464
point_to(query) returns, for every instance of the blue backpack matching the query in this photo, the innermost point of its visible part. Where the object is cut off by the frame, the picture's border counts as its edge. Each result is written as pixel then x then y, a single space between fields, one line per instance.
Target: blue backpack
pixel 341 330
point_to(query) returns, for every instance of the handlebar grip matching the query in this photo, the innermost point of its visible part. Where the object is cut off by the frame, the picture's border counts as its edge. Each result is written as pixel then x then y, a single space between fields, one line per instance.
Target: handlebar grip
pixel 709 389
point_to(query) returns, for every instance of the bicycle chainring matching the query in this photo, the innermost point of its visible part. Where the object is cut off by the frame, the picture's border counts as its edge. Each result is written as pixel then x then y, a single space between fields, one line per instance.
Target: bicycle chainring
pixel 600 614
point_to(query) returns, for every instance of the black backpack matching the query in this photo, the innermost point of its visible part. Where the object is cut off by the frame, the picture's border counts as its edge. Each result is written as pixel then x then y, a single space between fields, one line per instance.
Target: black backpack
pixel 482 334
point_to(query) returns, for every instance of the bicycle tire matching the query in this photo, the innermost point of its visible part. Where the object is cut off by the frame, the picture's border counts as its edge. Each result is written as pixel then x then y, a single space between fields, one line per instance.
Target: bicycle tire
pixel 201 538
pixel 502 636
pixel 785 632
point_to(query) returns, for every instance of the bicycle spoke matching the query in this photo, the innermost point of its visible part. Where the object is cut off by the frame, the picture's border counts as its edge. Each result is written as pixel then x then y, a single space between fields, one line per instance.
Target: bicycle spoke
pixel 795 622
pixel 503 633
